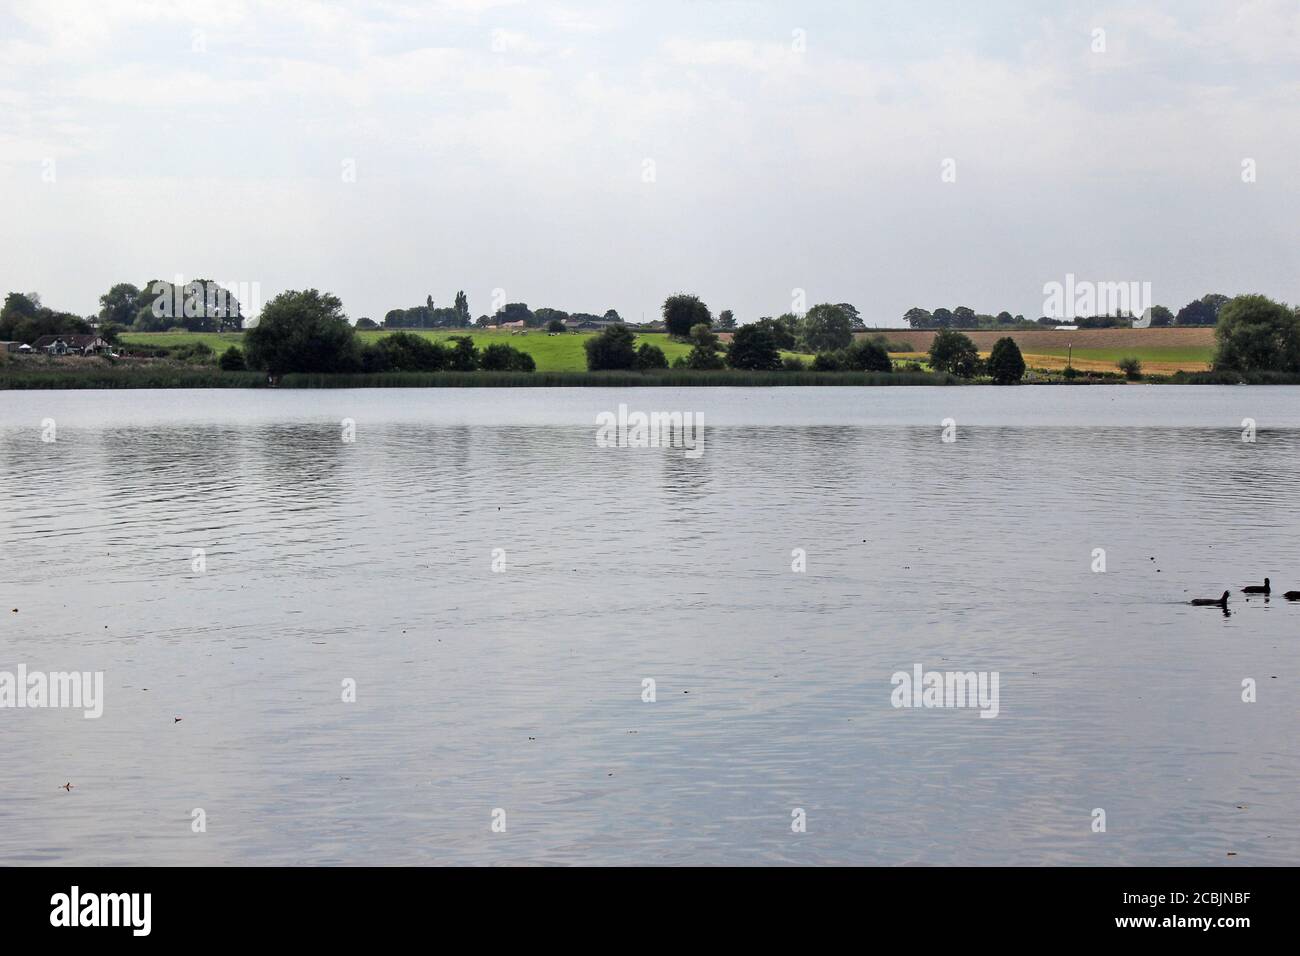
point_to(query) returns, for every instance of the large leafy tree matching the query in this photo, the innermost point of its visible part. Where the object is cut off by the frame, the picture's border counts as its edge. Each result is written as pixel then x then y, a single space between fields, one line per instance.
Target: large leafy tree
pixel 917 317
pixel 24 319
pixel 682 312
pixel 1197 312
pixel 826 328
pixel 754 347
pixel 614 348
pixel 1006 364
pixel 855 320
pixel 964 318
pixel 952 351
pixel 1256 333
pixel 303 331
pixel 119 304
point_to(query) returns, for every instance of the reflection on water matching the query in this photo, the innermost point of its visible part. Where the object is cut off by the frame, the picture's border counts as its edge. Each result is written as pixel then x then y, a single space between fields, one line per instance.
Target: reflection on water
pixel 372 560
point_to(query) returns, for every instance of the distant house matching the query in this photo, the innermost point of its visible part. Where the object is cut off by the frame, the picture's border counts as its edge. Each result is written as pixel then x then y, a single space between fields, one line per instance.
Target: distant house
pixel 588 325
pixel 10 346
pixel 519 324
pixel 1067 328
pixel 70 345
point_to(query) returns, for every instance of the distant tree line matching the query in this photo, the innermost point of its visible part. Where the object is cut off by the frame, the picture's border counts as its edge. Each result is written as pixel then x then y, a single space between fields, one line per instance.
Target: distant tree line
pixel 1202 311
pixel 308 331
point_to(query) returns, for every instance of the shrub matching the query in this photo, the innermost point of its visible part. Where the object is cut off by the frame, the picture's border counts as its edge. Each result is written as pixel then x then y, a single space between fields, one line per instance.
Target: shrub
pixel 232 360
pixel 196 353
pixel 793 363
pixel 867 356
pixel 828 362
pixel 614 348
pixel 952 351
pixel 704 354
pixel 405 352
pixel 1006 364
pixel 499 357
pixel 464 355
pixel 1131 366
pixel 555 325
pixel 754 347
pixel 649 356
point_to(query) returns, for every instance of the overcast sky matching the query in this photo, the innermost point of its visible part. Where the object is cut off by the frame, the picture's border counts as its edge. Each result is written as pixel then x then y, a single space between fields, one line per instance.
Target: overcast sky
pixel 507 145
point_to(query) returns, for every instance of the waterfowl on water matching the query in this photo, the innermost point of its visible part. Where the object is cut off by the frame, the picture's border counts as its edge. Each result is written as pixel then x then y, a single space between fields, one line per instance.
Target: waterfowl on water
pixel 1212 602
pixel 1292 595
pixel 1256 589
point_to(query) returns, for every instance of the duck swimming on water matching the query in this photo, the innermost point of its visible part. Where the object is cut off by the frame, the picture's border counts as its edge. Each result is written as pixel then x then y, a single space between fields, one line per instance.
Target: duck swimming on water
pixel 1212 602
pixel 1292 595
pixel 1256 589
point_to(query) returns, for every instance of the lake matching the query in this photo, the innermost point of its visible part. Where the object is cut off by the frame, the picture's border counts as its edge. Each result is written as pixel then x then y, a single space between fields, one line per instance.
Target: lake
pixel 496 589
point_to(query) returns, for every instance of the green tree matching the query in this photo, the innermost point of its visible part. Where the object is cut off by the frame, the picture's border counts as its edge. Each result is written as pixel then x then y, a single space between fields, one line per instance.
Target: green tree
pixel 704 353
pixel 232 360
pixel 726 320
pixel 1161 317
pixel 499 357
pixel 754 347
pixel 941 319
pixel 918 318
pixel 464 355
pixel 1256 333
pixel 650 357
pixel 825 328
pixel 302 332
pixel 855 320
pixel 119 304
pixel 952 351
pixel 682 312
pixel 1197 312
pixel 1006 364
pixel 613 348
pixel 867 356
pixel 784 329
pixel 462 308
pixel 555 325
pixel 963 318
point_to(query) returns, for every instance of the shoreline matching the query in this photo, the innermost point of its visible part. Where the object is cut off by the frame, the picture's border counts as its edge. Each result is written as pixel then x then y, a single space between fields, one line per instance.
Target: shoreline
pixel 173 377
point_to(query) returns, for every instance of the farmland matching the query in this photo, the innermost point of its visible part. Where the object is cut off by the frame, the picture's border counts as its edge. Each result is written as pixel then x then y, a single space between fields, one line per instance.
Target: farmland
pixel 1161 351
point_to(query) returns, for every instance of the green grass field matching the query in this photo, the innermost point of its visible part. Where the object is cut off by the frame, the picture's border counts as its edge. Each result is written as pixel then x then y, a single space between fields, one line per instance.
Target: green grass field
pixel 565 353
pixel 552 353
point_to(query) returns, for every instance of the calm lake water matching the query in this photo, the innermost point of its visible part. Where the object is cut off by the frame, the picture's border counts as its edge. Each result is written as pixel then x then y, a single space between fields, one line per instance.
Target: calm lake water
pixel 521 689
